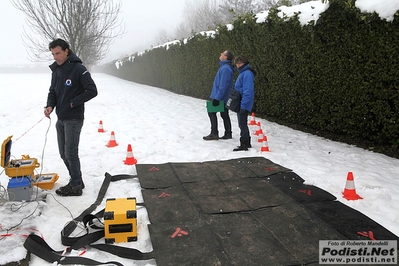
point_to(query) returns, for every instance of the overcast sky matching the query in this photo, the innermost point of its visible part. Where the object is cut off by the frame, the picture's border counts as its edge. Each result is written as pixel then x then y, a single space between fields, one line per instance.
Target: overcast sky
pixel 143 20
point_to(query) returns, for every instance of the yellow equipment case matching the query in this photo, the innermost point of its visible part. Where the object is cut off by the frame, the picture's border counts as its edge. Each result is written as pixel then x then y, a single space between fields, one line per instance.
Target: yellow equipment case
pixel 45 181
pixel 19 167
pixel 120 220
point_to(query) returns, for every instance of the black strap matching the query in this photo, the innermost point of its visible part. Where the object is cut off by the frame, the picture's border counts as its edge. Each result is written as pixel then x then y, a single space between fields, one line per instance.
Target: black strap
pixel 127 253
pixel 36 245
pixel 71 226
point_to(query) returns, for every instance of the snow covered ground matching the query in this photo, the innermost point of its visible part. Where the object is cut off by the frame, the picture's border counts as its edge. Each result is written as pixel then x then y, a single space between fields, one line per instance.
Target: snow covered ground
pixel 161 127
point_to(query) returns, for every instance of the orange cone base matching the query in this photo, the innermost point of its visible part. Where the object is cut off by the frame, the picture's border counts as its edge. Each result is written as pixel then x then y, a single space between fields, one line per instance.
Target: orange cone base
pixel 130 161
pixel 351 195
pixel 112 143
pixel 263 149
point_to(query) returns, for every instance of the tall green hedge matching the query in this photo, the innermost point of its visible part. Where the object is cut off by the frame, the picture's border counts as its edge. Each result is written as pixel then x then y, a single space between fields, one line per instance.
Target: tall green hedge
pixel 340 74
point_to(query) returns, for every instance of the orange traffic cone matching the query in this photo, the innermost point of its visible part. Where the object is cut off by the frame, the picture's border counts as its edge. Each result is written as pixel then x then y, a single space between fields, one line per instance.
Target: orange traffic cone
pixel 258 129
pixel 112 142
pixel 100 127
pixel 129 157
pixel 265 146
pixel 350 190
pixel 252 122
pixel 260 136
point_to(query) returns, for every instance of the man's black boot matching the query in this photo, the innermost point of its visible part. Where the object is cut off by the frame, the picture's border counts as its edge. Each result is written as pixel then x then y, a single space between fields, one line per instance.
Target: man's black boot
pixel 241 148
pixel 68 190
pixel 211 137
pixel 227 136
pixel 244 145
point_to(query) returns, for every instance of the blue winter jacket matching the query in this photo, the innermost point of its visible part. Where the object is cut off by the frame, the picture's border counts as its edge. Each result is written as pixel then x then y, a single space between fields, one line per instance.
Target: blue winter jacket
pixel 245 85
pixel 223 81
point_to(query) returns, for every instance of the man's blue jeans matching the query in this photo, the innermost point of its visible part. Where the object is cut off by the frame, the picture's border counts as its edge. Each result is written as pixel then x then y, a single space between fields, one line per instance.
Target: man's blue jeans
pixel 68 135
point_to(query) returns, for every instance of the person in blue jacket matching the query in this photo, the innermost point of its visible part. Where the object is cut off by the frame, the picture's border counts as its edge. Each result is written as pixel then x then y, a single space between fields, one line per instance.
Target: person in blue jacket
pixel 222 85
pixel 245 86
pixel 71 86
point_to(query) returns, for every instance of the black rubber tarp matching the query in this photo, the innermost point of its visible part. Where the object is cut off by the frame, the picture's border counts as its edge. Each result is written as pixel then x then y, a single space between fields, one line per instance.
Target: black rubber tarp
pixel 246 211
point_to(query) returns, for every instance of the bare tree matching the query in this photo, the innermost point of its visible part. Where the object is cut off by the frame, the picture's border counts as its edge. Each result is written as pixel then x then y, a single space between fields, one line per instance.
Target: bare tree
pixel 200 15
pixel 90 26
pixel 182 31
pixel 267 4
pixel 231 9
pixel 162 36
pixel 209 14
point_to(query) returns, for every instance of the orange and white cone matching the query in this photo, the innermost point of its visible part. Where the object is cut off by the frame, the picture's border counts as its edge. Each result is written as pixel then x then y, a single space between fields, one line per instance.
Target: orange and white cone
pixel 265 146
pixel 260 136
pixel 100 127
pixel 258 129
pixel 112 142
pixel 350 190
pixel 252 122
pixel 130 160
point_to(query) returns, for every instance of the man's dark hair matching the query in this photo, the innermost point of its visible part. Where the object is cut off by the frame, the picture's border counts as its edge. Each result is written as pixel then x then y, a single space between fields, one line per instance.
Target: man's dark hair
pixel 229 55
pixel 59 42
pixel 241 59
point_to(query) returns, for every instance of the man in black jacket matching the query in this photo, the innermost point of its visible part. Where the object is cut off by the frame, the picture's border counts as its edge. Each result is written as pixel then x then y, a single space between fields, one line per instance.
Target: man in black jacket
pixel 71 86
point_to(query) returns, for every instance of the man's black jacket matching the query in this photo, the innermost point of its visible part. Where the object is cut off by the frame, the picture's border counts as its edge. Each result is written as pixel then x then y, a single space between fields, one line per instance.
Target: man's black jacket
pixel 71 86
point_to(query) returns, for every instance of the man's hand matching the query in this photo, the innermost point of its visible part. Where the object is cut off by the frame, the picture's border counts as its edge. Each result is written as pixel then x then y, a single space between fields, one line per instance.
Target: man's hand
pixel 47 111
pixel 215 102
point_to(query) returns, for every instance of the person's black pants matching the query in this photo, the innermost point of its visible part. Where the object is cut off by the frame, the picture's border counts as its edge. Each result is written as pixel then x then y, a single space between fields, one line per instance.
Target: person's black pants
pixel 242 118
pixel 226 122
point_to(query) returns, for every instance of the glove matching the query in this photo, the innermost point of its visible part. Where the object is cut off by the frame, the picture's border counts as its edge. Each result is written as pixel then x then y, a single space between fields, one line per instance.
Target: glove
pixel 215 102
pixel 243 111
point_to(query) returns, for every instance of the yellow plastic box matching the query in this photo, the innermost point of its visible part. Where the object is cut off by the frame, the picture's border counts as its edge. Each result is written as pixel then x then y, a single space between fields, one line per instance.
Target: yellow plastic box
pixel 20 167
pixel 45 181
pixel 120 220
